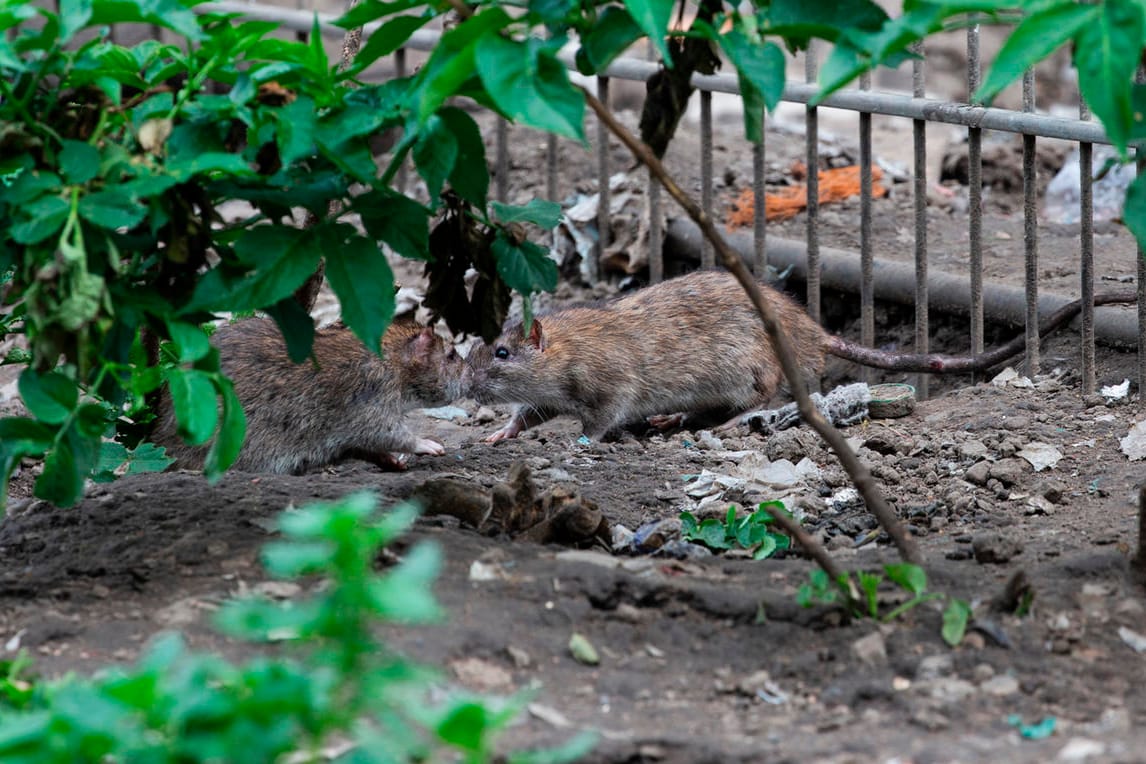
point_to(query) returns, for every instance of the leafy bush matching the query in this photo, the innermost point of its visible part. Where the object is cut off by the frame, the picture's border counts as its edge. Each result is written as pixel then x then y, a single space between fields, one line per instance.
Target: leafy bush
pixel 343 689
pixel 752 532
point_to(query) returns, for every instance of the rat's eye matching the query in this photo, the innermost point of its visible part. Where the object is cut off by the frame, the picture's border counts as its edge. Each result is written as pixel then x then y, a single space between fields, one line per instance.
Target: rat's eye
pixel 502 352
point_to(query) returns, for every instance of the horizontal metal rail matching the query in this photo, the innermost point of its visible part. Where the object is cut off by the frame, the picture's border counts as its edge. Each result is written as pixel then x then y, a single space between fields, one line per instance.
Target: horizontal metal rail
pixel 889 104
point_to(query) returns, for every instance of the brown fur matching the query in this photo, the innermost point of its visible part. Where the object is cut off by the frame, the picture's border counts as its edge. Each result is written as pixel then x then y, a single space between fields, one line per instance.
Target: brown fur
pixel 692 344
pixel 348 402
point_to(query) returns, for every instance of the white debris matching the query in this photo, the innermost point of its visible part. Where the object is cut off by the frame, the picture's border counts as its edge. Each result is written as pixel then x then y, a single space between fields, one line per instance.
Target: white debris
pixel 1136 641
pixel 1009 376
pixel 1134 444
pixel 1116 392
pixel 1041 455
pixel 448 413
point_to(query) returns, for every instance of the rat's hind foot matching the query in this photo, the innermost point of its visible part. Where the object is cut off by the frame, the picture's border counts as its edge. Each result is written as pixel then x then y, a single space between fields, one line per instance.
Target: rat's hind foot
pixel 666 422
pixel 428 447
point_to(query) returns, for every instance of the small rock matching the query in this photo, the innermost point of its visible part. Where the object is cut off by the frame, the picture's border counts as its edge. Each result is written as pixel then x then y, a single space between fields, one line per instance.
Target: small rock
pixel 1133 639
pixel 485 415
pixel 481 675
pixel 277 590
pixel 1052 490
pixel 934 666
pixel 950 690
pixel 582 650
pixel 982 672
pixel 1040 455
pixel 991 547
pixel 1081 749
pixel 1008 471
pixel 1001 686
pixel 932 721
pixel 870 650
pixel 972 450
pixel 519 657
pixel 977 473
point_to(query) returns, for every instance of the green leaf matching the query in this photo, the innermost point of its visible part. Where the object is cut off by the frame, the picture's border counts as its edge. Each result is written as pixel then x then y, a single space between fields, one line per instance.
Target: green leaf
pixel 50 397
pixel 48 215
pixel 229 442
pixel 524 267
pixel 767 548
pixel 280 259
pixel 1134 209
pixel 869 583
pixel 193 398
pixel 529 85
pixel 574 749
pixel 1036 37
pixel 112 208
pixel 652 16
pixel 296 326
pixel 397 220
pixel 470 176
pixel 542 213
pixel 74 15
pixel 372 10
pixel 79 161
pixel 452 62
pixel 292 559
pixel 712 534
pixel 360 276
pixel 435 154
pixel 955 618
pixel 26 437
pixel 465 727
pixel 613 33
pixel 115 460
pixel 760 72
pixel 170 14
pixel 388 38
pixel 404 594
pixel 66 467
pixel 798 21
pixel 688 525
pixel 296 125
pixel 913 578
pixel 190 340
pixel 1106 54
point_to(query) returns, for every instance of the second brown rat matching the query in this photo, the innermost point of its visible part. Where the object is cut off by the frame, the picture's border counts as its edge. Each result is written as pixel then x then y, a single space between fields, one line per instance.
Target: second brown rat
pixel 691 344
pixel 347 402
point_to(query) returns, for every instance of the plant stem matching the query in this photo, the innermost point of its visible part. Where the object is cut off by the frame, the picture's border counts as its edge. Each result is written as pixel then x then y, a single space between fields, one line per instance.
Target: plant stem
pixel 857 470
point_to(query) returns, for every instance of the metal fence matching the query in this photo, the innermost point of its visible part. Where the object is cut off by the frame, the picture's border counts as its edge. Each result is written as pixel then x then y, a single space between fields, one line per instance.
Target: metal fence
pixel 866 102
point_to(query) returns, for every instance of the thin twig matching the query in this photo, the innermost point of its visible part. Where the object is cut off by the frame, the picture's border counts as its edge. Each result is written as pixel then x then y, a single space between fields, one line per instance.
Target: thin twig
pixel 817 552
pixel 857 470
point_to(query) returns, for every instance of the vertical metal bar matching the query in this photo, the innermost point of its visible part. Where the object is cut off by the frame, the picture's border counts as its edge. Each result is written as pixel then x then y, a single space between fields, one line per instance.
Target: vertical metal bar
pixel 919 143
pixel 975 195
pixel 759 206
pixel 300 35
pixel 551 168
pixel 502 152
pixel 1030 232
pixel 603 217
pixel 812 145
pixel 707 254
pixel 400 72
pixel 656 235
pixel 867 259
pixel 1086 255
pixel 1141 157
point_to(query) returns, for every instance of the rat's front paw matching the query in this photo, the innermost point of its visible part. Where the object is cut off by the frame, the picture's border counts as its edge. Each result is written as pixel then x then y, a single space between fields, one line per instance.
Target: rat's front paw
pixel 428 447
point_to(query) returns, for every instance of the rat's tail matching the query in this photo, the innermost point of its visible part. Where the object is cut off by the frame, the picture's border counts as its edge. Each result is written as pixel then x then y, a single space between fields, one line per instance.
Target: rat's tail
pixel 939 364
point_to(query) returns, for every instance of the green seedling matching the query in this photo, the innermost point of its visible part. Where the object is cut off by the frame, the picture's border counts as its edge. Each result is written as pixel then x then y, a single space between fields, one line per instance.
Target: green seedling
pixel 752 532
pixel 821 590
pixel 333 681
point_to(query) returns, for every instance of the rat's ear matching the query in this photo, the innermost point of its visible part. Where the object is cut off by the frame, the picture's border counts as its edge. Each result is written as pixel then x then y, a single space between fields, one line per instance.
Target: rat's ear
pixel 422 344
pixel 536 337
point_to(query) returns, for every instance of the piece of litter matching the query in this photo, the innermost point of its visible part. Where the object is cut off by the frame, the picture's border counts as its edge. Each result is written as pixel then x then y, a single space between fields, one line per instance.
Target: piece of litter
pixel 582 650
pixel 1040 455
pixel 1038 731
pixel 448 413
pixel 1134 444
pixel 548 714
pixel 1116 392
pixel 1133 639
pixel 584 441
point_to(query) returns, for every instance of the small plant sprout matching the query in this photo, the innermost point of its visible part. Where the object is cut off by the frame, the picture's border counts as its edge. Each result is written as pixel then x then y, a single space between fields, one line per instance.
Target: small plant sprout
pixel 751 532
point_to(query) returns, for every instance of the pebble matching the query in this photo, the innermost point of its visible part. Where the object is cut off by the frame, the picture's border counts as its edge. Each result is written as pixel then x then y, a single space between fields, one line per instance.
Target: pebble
pixel 485 415
pixel 992 547
pixel 934 666
pixel 982 672
pixel 977 473
pixel 1001 686
pixel 871 650
pixel 973 450
pixel 1008 471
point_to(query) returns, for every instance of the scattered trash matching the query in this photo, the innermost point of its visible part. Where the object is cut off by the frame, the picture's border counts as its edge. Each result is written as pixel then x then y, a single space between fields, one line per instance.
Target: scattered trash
pixel 584 441
pixel 1116 392
pixel 846 499
pixel 1062 195
pixel 1136 641
pixel 836 184
pixel 843 406
pixel 1134 444
pixel 582 650
pixel 1040 455
pixel 1042 729
pixel 448 413
pixel 1009 376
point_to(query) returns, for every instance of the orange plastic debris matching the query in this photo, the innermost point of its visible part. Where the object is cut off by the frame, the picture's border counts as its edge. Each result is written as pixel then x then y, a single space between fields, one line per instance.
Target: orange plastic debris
pixel 835 184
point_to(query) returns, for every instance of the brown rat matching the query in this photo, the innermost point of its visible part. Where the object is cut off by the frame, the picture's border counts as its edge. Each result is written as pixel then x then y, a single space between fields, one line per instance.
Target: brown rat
pixel 693 343
pixel 346 402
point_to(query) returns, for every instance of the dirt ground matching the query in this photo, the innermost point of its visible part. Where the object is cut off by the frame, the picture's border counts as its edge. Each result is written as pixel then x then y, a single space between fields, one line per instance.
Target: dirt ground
pixel 706 659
